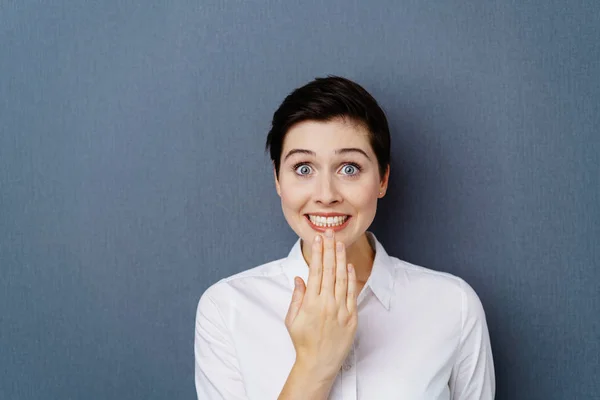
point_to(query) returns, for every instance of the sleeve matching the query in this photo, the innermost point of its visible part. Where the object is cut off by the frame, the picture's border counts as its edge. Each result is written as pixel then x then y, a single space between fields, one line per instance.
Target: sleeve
pixel 473 376
pixel 217 371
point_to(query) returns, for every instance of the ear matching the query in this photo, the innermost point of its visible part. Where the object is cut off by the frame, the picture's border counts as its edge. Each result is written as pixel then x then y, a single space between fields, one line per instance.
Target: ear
pixel 384 182
pixel 277 185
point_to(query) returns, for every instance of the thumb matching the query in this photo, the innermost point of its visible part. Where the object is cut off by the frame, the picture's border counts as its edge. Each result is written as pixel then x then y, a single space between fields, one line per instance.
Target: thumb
pixel 296 303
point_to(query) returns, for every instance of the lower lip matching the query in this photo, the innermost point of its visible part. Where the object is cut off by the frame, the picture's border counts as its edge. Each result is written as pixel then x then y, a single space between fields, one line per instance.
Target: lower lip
pixel 324 228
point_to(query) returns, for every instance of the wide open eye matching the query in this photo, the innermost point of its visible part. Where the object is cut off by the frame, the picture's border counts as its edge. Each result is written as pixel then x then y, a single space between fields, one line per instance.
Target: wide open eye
pixel 302 169
pixel 350 169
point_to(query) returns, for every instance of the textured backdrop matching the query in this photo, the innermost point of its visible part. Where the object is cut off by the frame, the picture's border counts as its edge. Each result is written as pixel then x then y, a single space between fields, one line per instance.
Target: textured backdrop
pixel 133 175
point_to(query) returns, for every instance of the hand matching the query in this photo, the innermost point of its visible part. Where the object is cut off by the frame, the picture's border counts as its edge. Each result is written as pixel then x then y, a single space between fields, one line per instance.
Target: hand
pixel 323 317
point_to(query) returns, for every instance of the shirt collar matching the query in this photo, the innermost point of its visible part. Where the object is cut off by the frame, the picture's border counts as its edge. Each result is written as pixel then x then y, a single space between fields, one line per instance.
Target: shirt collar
pixel 380 282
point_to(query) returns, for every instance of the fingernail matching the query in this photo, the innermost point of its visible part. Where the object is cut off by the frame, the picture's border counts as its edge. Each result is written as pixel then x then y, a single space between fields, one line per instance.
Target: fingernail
pixel 329 233
pixel 318 239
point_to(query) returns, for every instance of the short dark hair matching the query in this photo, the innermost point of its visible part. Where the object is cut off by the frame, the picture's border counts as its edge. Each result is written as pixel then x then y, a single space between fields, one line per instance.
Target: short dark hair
pixel 325 99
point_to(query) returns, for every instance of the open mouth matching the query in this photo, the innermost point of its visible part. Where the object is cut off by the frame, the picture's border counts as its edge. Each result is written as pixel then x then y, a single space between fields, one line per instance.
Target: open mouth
pixel 321 223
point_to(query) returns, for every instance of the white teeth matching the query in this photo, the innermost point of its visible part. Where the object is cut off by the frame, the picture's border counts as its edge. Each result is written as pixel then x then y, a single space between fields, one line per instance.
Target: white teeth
pixel 327 221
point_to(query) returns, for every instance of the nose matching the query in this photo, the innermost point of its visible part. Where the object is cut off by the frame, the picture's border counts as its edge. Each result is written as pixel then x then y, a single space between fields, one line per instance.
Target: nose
pixel 326 191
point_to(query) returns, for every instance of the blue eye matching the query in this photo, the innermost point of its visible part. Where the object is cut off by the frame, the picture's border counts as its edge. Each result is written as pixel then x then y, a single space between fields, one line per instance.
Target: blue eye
pixel 302 169
pixel 350 169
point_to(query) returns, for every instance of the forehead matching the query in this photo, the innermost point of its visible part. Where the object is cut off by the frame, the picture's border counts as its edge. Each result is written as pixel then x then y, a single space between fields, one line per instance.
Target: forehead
pixel 327 136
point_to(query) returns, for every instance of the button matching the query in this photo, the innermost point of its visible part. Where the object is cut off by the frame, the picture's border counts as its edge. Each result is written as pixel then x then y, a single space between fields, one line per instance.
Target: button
pixel 347 367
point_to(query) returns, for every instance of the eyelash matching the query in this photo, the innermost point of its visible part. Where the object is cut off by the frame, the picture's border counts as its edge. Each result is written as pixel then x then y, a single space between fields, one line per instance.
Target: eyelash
pixel 355 165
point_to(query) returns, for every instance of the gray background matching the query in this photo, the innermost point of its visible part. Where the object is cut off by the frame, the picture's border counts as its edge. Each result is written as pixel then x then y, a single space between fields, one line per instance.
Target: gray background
pixel 133 175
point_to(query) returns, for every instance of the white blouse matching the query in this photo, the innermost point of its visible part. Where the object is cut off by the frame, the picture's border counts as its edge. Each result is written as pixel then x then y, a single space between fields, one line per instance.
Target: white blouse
pixel 422 335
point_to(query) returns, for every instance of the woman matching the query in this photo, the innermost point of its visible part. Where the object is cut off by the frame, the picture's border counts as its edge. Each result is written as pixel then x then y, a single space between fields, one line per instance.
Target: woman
pixel 338 318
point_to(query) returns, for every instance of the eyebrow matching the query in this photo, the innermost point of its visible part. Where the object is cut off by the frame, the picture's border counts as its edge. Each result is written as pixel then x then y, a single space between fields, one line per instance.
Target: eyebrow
pixel 339 151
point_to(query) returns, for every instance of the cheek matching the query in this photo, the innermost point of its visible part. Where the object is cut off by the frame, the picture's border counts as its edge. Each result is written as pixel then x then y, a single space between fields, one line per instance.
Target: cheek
pixel 365 202
pixel 292 196
pixel 286 200
pixel 366 195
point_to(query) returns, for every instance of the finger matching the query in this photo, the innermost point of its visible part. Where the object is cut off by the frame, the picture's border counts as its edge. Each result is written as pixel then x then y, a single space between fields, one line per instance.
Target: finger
pixel 315 272
pixel 328 264
pixel 296 303
pixel 352 290
pixel 341 274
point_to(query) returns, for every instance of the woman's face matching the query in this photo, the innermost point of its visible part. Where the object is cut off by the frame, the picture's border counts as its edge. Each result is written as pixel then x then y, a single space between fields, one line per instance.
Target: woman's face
pixel 329 178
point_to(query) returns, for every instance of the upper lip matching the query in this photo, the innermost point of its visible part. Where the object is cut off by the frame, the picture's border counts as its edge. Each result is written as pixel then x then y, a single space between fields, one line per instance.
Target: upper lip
pixel 328 214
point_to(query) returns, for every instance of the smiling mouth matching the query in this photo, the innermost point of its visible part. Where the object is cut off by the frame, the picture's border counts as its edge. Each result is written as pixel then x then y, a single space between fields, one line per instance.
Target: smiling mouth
pixel 322 223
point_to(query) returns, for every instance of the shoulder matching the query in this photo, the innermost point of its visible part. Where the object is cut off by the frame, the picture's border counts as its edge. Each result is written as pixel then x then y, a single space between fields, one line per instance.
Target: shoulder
pixel 438 285
pixel 416 274
pixel 223 292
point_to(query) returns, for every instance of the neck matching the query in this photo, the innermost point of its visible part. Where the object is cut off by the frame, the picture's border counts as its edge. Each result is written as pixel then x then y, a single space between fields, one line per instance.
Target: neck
pixel 360 254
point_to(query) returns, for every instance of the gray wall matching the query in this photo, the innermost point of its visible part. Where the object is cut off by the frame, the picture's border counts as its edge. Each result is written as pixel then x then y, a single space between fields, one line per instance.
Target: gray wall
pixel 133 176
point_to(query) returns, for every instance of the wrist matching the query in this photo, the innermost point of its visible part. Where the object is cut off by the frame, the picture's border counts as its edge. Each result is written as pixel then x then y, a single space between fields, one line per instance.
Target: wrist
pixel 315 372
pixel 305 383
